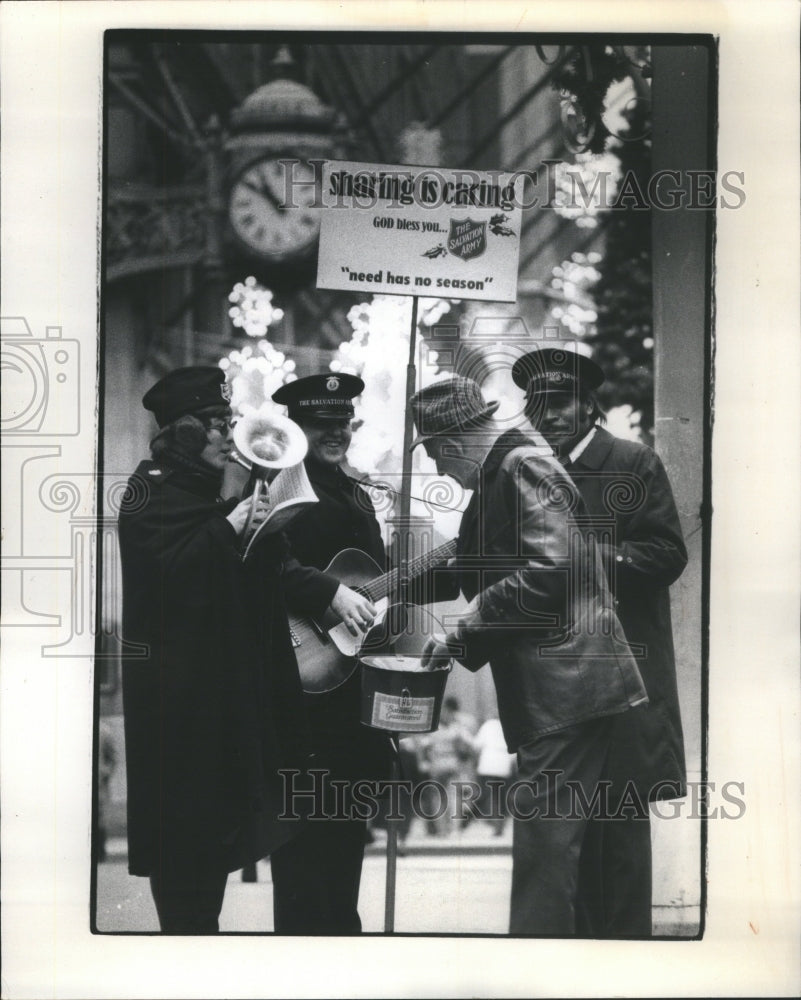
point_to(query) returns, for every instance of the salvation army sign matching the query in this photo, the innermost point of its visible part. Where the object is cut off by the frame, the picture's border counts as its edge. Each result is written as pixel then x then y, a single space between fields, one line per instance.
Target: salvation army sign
pixel 420 231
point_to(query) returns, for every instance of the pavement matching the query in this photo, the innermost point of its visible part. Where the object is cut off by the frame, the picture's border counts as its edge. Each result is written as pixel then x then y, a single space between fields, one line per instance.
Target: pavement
pixel 458 884
pixel 454 884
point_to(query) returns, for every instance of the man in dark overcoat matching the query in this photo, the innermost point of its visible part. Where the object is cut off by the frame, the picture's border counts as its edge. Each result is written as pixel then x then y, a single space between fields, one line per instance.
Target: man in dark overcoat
pixel 541 614
pixel 320 872
pixel 628 498
pixel 212 699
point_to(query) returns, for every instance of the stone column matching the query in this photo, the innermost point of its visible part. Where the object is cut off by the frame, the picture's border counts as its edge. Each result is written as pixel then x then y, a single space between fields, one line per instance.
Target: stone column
pixel 682 278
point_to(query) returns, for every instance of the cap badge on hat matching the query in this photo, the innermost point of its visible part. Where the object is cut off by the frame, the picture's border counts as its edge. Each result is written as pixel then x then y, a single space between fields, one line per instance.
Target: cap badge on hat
pixel 332 383
pixel 225 391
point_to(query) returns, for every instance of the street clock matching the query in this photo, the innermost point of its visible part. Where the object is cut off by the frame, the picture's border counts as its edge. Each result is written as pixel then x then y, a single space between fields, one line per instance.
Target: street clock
pixel 269 219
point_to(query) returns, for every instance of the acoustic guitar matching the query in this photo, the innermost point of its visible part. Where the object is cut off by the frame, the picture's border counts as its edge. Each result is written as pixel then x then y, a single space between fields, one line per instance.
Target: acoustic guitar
pixel 326 650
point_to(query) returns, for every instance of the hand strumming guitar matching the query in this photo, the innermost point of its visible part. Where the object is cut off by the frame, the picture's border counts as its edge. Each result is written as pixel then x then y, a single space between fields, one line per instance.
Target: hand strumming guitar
pixel 355 610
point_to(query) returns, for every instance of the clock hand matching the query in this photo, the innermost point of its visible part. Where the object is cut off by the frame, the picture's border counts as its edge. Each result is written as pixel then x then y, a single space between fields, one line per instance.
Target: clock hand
pixel 265 193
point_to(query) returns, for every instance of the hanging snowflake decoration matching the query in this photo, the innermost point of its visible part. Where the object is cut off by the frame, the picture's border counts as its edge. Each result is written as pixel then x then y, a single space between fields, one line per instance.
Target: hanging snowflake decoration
pixel 255 372
pixel 253 310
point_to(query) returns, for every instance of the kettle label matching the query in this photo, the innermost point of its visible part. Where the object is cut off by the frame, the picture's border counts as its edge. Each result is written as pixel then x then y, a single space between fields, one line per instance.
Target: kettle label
pixel 402 713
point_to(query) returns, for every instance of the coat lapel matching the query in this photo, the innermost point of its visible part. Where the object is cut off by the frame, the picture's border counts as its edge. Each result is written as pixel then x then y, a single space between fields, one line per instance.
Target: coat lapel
pixel 594 455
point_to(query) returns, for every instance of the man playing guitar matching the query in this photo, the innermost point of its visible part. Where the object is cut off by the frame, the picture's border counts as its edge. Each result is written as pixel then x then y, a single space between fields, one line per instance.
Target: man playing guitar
pixel 321 869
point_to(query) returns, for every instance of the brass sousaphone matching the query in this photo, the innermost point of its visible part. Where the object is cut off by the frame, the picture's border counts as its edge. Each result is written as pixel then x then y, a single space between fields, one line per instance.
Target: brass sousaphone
pixel 266 443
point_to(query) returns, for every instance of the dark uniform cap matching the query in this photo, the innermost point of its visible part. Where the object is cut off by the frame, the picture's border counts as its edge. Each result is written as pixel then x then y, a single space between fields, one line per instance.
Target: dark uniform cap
pixel 187 390
pixel 453 404
pixel 555 368
pixel 329 395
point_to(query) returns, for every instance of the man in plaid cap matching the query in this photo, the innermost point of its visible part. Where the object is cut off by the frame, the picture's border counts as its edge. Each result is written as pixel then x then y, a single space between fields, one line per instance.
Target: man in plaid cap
pixel 541 614
pixel 623 482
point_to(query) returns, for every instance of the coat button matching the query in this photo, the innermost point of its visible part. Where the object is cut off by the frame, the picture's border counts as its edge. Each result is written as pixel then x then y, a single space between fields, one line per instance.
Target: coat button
pixel 619 558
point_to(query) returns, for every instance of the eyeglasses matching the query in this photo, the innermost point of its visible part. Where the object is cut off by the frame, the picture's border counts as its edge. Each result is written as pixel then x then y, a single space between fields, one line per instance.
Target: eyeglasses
pixel 219 424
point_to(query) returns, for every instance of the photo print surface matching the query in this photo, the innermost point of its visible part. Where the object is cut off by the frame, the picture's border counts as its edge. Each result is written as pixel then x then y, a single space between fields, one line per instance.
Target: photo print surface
pixel 564 171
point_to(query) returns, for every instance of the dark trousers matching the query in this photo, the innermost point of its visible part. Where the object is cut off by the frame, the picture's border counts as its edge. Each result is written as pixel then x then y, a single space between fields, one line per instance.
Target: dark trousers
pixel 189 902
pixel 316 879
pixel 614 892
pixel 547 848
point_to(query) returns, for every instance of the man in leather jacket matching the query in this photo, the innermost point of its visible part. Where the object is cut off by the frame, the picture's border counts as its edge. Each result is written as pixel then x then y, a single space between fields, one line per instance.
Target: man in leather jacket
pixel 540 612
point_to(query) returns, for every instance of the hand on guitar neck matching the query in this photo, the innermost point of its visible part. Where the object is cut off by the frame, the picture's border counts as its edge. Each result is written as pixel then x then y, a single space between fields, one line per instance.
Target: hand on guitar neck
pixel 356 611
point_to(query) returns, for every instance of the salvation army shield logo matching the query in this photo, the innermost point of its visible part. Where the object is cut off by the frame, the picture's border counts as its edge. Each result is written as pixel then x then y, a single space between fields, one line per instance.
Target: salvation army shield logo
pixel 467 239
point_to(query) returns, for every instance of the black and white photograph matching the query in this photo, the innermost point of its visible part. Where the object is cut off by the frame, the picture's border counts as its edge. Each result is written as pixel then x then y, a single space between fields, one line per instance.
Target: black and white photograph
pixel 211 256
pixel 382 548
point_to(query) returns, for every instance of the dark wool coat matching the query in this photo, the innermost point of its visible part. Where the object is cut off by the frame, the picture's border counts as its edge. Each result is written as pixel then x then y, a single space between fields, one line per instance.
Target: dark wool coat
pixel 540 609
pixel 626 482
pixel 343 518
pixel 214 707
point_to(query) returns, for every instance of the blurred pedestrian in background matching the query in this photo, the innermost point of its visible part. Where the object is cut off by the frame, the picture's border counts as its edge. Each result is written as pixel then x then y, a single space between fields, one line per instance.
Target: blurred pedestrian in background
pixel 106 764
pixel 494 769
pixel 446 758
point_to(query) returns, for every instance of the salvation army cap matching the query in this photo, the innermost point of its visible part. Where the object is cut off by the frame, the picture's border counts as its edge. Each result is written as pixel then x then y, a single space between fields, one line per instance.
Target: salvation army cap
pixel 187 390
pixel 328 396
pixel 556 368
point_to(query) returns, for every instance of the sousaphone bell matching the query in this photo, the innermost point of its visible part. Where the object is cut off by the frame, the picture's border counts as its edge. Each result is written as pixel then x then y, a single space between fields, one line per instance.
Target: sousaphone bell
pixel 266 443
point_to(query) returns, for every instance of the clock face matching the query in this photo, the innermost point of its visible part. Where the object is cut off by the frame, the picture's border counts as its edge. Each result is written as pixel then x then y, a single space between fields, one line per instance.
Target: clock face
pixel 259 218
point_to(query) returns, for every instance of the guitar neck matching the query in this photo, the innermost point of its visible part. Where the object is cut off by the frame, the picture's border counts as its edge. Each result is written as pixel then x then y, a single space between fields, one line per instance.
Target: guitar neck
pixel 386 584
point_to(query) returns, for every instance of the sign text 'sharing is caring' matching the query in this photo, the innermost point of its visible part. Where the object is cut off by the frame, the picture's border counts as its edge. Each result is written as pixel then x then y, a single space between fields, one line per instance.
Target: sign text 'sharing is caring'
pixel 425 231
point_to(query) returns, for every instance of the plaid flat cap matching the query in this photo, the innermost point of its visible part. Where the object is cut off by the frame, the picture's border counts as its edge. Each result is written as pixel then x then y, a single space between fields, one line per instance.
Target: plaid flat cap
pixel 453 404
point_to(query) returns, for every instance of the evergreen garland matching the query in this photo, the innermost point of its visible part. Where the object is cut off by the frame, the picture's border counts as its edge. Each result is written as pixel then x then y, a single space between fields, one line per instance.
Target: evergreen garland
pixel 623 341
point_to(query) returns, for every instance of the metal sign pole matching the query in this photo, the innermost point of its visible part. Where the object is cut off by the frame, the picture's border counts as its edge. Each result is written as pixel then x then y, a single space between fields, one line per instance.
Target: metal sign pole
pixel 392 856
pixel 400 598
pixel 406 484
